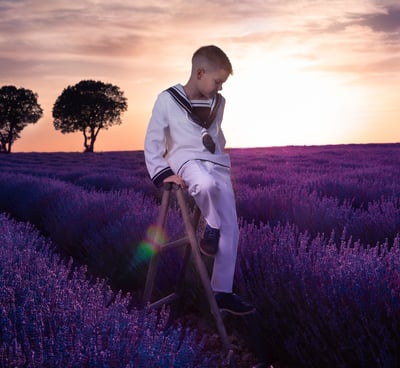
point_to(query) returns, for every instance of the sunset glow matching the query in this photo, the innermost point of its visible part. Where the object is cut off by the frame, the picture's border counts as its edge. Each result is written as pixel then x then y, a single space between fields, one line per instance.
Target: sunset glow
pixel 305 72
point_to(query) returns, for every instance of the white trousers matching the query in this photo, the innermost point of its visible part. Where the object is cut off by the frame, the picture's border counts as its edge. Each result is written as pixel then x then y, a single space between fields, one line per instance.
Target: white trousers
pixel 211 187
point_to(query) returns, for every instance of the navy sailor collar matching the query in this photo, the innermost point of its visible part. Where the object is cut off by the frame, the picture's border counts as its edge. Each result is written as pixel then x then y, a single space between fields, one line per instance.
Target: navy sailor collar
pixel 180 97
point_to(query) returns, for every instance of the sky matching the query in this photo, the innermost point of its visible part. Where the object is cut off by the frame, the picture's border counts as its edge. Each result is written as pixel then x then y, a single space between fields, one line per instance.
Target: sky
pixel 306 72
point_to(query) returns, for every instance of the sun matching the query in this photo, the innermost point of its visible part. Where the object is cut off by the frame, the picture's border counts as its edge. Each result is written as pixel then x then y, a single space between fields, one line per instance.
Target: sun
pixel 281 100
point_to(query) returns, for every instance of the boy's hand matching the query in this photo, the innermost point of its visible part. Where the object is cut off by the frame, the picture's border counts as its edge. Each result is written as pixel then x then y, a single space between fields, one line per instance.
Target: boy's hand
pixel 176 179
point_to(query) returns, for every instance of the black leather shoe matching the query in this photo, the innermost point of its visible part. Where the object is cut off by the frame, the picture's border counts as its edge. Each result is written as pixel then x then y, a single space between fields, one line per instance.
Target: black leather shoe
pixel 231 303
pixel 209 243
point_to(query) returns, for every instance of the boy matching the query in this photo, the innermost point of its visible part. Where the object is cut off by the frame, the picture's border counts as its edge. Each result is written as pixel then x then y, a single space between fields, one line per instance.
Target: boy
pixel 184 144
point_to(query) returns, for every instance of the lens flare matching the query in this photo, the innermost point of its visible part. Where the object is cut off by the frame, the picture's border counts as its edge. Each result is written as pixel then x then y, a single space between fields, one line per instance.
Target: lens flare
pixel 155 237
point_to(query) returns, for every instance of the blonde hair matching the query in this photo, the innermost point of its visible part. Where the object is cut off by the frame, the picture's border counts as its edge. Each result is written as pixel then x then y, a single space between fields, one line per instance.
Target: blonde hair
pixel 213 56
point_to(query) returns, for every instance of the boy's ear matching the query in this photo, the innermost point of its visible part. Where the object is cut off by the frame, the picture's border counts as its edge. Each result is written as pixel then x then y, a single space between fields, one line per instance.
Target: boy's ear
pixel 200 72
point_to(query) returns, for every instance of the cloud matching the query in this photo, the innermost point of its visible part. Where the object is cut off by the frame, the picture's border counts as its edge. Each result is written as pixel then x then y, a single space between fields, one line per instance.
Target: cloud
pixel 89 28
pixel 387 22
pixel 143 46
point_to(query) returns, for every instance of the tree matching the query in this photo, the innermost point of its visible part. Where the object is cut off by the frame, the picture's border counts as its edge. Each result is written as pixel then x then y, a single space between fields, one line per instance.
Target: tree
pixel 88 107
pixel 18 108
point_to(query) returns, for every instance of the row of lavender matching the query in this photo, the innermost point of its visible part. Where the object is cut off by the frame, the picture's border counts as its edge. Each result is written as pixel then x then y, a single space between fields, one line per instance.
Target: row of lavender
pixel 325 304
pixel 320 189
pixel 105 231
pixel 317 295
pixel 52 316
pixel 323 189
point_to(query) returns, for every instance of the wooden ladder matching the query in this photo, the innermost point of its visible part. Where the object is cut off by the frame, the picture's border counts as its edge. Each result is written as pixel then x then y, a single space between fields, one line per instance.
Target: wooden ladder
pixel 190 243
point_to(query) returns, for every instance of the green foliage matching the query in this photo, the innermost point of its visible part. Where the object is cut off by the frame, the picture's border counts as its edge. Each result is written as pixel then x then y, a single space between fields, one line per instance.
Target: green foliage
pixel 18 108
pixel 88 107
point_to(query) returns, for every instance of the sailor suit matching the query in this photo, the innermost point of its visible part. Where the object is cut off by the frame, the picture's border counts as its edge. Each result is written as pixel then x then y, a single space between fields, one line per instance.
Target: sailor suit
pixel 174 144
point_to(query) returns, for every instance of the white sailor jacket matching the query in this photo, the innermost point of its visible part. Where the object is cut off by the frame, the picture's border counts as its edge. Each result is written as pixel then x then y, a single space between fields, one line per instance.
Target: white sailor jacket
pixel 173 138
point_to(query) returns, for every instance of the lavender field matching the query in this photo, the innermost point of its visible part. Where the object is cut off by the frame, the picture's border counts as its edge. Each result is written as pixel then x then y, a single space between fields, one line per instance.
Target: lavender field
pixel 319 257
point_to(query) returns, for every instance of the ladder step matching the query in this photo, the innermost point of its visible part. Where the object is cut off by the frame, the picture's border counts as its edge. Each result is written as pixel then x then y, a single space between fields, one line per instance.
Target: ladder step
pixel 174 244
pixel 165 300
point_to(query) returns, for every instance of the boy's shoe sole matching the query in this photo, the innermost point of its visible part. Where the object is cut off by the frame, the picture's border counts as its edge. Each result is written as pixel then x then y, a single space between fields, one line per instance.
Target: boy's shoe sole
pixel 207 252
pixel 237 308
pixel 231 311
pixel 263 365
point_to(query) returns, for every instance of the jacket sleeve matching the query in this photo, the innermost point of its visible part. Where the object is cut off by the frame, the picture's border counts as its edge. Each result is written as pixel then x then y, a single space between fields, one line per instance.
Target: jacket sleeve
pixel 221 136
pixel 155 143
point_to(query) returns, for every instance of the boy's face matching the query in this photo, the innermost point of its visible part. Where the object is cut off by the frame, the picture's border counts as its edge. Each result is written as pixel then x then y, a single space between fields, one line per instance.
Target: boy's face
pixel 209 82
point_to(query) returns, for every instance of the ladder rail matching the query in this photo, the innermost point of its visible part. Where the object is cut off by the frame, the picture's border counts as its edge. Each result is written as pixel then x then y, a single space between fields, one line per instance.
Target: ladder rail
pixel 155 259
pixel 191 249
pixel 201 269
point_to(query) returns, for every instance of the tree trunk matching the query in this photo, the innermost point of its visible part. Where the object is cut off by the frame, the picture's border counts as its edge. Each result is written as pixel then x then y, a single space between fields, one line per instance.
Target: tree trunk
pixel 5 143
pixel 89 142
pixel 5 148
pixel 8 143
